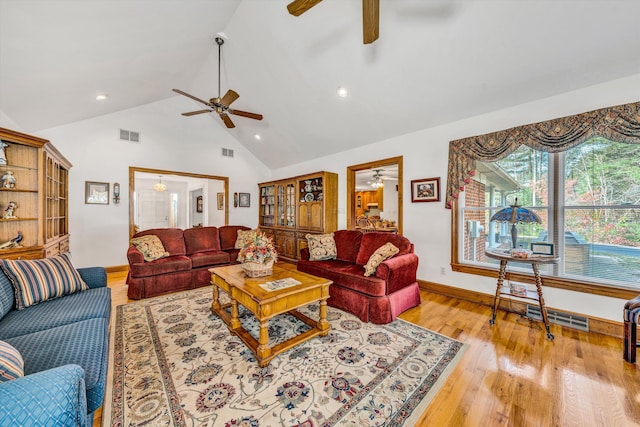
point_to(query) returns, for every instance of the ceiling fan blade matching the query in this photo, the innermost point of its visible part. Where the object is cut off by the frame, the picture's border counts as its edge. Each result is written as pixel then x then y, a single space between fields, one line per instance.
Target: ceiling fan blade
pixel 193 113
pixel 298 7
pixel 370 20
pixel 227 121
pixel 229 97
pixel 245 114
pixel 190 96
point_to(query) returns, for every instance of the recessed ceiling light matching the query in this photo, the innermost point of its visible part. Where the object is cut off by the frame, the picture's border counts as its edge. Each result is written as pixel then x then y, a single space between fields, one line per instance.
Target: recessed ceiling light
pixel 257 137
pixel 342 92
pixel 101 97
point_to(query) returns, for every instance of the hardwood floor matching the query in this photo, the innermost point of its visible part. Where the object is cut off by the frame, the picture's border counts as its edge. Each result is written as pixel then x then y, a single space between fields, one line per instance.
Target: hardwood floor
pixel 511 375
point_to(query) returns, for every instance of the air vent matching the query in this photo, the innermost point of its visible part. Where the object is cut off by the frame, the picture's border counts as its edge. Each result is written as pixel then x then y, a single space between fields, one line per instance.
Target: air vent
pixel 580 323
pixel 227 152
pixel 129 135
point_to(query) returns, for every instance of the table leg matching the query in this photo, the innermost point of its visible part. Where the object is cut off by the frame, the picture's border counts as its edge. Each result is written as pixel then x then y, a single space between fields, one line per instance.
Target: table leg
pixel 215 304
pixel 235 320
pixel 263 350
pixel 323 324
pixel 496 300
pixel 543 309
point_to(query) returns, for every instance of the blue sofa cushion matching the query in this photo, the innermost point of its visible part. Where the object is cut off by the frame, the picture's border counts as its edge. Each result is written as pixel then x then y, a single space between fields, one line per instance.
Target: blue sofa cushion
pixel 55 397
pixel 83 343
pixel 11 363
pixel 42 279
pixel 6 295
pixel 90 304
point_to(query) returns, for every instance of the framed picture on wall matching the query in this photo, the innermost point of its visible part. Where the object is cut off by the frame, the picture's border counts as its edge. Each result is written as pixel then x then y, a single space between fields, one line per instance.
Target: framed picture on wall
pixel 244 200
pixel 425 190
pixel 199 204
pixel 96 193
pixel 220 201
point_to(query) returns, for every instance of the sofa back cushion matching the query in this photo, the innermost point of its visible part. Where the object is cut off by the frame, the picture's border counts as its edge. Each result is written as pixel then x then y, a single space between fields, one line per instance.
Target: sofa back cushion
pixel 347 244
pixel 229 235
pixel 372 241
pixel 6 295
pixel 172 239
pixel 201 239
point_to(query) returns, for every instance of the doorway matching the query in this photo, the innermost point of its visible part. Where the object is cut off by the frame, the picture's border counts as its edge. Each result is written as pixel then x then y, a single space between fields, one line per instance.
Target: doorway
pixel 355 174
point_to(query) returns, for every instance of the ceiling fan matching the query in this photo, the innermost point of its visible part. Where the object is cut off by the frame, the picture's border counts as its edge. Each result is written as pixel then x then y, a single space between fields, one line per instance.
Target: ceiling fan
pixel 370 16
pixel 378 178
pixel 220 104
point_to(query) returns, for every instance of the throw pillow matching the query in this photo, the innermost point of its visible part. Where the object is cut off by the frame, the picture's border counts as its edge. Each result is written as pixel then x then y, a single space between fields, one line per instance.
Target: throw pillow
pixel 243 237
pixel 321 247
pixel 150 246
pixel 383 252
pixel 39 280
pixel 11 363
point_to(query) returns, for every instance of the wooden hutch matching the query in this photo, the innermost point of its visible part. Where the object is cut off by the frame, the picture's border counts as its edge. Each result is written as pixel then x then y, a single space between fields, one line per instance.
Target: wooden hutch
pixel 40 193
pixel 294 207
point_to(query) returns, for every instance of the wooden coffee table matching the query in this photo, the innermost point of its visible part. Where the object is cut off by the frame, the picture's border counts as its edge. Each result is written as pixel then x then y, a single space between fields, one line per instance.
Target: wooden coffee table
pixel 266 304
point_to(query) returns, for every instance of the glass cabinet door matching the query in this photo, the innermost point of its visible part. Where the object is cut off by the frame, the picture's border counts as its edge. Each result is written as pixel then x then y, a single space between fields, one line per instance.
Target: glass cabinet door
pixel 280 191
pixel 290 206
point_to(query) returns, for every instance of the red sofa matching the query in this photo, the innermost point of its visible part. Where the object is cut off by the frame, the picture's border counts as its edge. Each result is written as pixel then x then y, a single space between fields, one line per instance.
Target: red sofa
pixel 192 253
pixel 379 298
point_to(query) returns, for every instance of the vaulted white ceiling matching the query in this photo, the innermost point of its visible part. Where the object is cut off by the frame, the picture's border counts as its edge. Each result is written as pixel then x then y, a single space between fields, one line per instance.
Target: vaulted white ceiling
pixel 436 61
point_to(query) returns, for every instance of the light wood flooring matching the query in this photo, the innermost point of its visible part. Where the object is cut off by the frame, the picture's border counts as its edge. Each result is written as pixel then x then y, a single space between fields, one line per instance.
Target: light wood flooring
pixel 511 375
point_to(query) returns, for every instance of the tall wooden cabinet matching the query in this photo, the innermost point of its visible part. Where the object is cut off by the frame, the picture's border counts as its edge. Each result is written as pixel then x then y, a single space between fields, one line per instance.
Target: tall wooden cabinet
pixel 40 195
pixel 294 207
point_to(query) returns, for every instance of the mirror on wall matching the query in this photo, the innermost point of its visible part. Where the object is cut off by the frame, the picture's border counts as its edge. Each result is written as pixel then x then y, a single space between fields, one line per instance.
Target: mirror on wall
pixel 374 192
pixel 170 199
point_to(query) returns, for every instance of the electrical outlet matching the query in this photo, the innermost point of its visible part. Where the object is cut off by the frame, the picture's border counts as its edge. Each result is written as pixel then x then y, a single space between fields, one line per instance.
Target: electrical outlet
pixel 443 270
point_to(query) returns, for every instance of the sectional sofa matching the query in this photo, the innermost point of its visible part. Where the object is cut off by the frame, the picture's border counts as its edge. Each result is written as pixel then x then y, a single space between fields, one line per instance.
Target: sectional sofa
pixel 63 343
pixel 378 298
pixel 191 253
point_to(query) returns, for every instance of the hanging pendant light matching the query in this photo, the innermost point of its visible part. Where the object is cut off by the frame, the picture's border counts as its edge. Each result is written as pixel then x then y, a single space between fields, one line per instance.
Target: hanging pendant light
pixel 159 186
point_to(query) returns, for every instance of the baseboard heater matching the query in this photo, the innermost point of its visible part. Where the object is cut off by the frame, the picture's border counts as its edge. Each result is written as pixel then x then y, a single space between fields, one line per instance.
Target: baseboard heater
pixel 580 323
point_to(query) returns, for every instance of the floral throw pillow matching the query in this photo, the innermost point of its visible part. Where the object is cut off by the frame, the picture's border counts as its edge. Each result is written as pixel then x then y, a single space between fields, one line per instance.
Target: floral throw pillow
pixel 150 246
pixel 321 247
pixel 245 236
pixel 383 252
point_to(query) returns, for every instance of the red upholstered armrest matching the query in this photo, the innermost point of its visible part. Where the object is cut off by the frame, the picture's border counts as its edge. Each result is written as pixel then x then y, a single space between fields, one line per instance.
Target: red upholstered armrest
pixel 399 271
pixel 632 304
pixel 134 255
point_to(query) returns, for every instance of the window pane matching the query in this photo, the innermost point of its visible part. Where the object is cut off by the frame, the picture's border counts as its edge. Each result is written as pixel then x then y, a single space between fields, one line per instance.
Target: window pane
pixel 600 172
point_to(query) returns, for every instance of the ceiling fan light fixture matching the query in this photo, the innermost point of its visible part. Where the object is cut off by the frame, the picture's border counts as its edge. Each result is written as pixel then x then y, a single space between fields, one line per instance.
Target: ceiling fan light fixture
pixel 159 186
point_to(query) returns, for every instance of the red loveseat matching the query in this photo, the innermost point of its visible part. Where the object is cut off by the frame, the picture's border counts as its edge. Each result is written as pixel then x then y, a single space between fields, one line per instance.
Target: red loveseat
pixel 379 298
pixel 192 253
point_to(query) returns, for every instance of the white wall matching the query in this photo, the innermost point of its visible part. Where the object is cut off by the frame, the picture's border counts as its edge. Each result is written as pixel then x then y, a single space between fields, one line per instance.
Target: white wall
pixel 425 153
pixel 99 233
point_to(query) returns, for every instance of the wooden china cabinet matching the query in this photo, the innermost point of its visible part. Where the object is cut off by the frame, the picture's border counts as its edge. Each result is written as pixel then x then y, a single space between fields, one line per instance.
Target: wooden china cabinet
pixel 294 207
pixel 40 194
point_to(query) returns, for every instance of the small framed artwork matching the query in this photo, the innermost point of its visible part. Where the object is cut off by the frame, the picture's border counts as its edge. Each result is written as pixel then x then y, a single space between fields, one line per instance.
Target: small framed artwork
pixel 244 200
pixel 542 248
pixel 425 190
pixel 96 193
pixel 199 204
pixel 220 201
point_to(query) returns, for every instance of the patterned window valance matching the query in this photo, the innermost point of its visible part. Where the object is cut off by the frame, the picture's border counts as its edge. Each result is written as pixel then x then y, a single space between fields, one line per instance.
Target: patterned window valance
pixel 620 123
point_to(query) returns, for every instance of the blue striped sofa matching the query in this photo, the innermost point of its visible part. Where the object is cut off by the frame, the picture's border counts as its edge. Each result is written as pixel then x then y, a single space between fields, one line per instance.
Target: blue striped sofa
pixel 64 343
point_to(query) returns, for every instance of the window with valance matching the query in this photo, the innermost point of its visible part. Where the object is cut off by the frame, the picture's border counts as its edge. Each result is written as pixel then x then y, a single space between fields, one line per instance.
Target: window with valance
pixel 580 173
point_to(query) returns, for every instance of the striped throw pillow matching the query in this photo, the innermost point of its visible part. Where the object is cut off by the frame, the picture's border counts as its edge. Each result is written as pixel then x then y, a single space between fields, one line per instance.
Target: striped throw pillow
pixel 11 363
pixel 39 280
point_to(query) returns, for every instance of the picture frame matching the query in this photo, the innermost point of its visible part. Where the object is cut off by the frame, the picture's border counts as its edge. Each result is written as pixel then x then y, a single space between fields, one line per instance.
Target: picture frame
pixel 539 248
pixel 199 204
pixel 235 200
pixel 96 193
pixel 244 200
pixel 220 198
pixel 425 190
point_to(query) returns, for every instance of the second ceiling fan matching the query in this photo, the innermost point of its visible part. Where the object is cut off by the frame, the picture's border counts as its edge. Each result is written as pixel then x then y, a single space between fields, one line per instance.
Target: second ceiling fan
pixel 220 104
pixel 370 16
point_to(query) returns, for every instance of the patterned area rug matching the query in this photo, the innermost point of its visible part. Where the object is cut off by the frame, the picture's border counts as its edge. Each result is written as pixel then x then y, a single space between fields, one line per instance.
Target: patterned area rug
pixel 175 363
